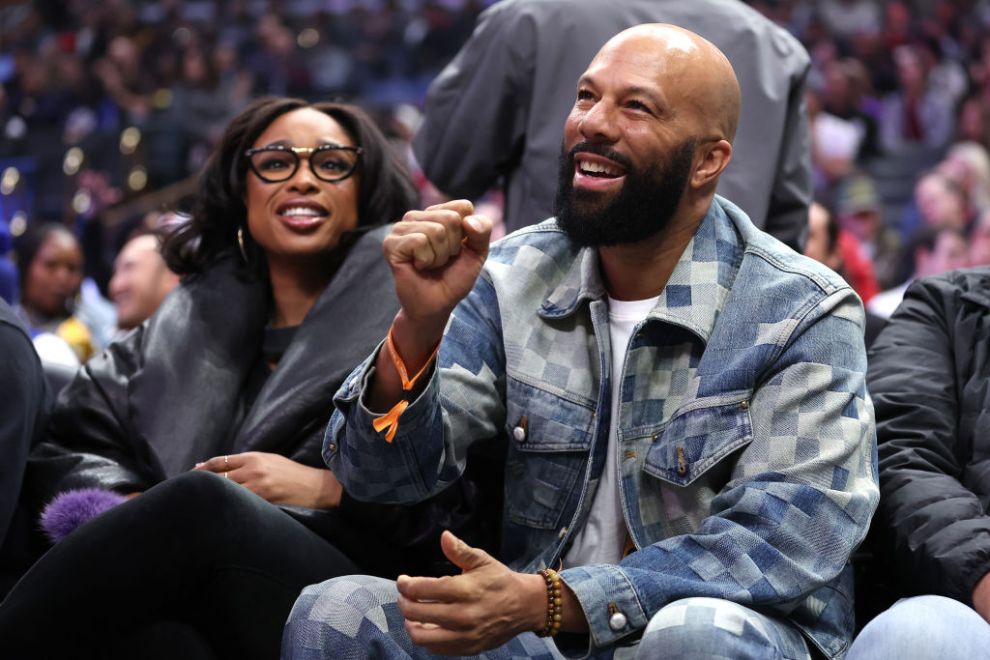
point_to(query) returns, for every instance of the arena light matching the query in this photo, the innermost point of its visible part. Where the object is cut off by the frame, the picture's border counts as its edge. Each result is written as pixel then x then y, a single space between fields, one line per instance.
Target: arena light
pixel 137 179
pixel 11 177
pixel 82 202
pixel 18 224
pixel 73 161
pixel 308 38
pixel 130 138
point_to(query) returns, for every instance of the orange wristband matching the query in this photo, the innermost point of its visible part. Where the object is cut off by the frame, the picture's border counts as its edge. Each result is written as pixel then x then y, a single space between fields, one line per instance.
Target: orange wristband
pixel 389 422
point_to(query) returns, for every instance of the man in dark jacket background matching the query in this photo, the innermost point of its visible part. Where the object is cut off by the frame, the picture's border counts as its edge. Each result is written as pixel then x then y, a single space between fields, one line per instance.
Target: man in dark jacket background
pixel 929 375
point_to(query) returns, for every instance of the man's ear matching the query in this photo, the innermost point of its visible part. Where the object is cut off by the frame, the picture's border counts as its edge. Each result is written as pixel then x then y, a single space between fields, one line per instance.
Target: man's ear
pixel 714 158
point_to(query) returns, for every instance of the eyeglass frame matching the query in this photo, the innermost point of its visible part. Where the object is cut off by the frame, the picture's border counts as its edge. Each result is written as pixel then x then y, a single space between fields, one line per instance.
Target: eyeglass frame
pixel 309 151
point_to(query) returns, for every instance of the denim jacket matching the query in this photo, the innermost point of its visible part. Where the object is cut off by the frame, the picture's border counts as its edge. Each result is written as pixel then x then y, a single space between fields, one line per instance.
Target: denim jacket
pixel 747 440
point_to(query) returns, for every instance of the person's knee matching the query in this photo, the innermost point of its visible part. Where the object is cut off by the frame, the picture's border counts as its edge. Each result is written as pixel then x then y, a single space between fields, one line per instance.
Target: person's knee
pixel 702 627
pixel 331 616
pixel 923 627
pixel 198 490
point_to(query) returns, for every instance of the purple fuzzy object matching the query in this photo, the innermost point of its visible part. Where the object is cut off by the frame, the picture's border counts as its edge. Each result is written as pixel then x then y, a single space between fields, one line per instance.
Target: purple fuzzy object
pixel 72 508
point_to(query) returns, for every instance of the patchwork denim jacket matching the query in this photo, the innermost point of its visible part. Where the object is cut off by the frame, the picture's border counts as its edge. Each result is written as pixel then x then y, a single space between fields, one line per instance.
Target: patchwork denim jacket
pixel 747 442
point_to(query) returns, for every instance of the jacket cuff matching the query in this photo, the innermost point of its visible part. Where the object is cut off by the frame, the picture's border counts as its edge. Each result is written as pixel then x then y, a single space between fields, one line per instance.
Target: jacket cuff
pixel 609 602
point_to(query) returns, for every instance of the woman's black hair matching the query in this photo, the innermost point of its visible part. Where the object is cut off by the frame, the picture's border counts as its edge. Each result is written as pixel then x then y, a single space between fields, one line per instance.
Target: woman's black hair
pixel 385 191
pixel 27 245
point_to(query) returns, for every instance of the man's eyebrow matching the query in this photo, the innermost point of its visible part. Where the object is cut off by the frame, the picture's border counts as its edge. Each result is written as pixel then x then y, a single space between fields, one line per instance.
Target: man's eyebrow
pixel 635 90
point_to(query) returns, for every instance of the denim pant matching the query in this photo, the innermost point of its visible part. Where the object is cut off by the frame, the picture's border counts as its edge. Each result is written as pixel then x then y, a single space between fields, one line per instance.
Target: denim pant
pixel 357 617
pixel 923 628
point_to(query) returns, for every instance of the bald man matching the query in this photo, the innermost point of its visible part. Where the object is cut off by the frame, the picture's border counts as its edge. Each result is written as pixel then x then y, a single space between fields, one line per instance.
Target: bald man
pixel 680 398
pixel 495 113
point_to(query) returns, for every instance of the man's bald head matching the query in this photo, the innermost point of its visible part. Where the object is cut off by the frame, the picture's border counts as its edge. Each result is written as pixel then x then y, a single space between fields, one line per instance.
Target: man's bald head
pixel 693 73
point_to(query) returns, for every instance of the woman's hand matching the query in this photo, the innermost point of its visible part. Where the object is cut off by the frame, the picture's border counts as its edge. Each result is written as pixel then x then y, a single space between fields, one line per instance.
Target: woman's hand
pixel 278 479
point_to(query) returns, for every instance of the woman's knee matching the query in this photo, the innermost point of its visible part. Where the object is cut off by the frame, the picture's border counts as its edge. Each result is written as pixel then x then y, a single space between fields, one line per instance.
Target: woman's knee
pixel 923 627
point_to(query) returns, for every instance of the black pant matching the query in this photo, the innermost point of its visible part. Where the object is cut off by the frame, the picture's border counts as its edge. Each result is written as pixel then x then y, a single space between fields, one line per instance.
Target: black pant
pixel 196 550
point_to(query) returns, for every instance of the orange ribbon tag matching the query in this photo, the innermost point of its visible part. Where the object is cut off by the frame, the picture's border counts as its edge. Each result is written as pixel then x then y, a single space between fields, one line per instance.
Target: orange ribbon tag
pixel 390 420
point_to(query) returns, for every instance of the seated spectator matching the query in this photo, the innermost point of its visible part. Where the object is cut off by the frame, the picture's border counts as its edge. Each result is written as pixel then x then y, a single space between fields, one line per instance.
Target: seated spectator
pixel 968 164
pixel 284 290
pixel 942 202
pixel 861 214
pixel 141 280
pixel 23 407
pixel 928 377
pixel 916 115
pixel 824 246
pixel 684 400
pixel 50 263
pixel 934 251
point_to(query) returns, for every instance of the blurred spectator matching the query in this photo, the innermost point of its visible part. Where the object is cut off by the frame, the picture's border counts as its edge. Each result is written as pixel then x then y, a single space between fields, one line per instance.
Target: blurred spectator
pixel 823 246
pixel 860 212
pixel 835 142
pixel 140 281
pixel 935 250
pixel 973 120
pixel 942 202
pixel 916 114
pixel 50 262
pixel 968 164
pixel 847 18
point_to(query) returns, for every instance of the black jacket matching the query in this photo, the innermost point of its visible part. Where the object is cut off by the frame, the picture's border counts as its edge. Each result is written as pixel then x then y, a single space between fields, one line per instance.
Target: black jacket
pixel 929 376
pixel 170 394
pixel 23 409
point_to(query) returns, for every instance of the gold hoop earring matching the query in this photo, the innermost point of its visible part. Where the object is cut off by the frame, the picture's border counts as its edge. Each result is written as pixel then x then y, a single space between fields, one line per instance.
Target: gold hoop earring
pixel 240 243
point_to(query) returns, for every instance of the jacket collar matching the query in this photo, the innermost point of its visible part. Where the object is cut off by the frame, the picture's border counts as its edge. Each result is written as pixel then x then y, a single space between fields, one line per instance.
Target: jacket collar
pixel 695 292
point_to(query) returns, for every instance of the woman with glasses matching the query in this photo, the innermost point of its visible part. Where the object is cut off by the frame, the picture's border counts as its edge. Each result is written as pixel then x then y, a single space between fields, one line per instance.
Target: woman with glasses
pixel 209 418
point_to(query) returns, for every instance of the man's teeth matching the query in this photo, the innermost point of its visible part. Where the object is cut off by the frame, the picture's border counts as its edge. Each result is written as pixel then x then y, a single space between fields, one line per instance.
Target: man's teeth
pixel 598 168
pixel 302 211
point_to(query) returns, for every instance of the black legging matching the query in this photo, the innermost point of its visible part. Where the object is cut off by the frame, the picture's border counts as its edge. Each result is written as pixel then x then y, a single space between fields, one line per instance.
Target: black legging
pixel 196 549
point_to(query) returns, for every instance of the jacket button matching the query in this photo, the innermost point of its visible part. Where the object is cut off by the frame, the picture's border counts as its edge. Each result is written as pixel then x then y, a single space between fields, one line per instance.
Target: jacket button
pixel 563 533
pixel 331 447
pixel 519 433
pixel 617 621
pixel 744 404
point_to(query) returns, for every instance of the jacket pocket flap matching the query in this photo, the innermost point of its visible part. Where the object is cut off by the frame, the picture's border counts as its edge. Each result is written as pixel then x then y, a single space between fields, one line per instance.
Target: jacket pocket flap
pixel 695 440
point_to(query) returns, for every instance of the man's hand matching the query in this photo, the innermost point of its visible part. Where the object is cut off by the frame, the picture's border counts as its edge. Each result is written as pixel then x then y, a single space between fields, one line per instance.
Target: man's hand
pixel 278 479
pixel 484 607
pixel 436 256
pixel 981 597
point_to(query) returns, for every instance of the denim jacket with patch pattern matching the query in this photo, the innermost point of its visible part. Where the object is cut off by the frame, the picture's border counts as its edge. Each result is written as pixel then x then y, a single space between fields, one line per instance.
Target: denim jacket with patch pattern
pixel 747 440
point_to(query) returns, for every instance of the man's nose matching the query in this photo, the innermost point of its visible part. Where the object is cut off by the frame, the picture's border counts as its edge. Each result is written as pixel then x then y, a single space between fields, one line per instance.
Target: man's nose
pixel 598 123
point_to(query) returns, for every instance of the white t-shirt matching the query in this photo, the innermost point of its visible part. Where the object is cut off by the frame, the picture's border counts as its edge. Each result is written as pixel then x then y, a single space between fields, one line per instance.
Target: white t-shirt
pixel 603 536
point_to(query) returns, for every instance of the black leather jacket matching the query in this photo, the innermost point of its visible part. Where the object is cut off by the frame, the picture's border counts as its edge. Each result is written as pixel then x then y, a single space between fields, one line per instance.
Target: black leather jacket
pixel 169 394
pixel 929 375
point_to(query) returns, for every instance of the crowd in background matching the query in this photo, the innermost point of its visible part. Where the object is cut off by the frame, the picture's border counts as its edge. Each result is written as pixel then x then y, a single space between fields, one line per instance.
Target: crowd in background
pixel 108 110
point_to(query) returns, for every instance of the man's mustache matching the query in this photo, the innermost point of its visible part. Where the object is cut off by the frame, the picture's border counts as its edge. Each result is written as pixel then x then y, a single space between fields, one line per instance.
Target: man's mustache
pixel 600 150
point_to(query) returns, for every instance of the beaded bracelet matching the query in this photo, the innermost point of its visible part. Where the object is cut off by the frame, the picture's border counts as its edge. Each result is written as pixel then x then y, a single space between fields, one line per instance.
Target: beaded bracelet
pixel 554 616
pixel 390 420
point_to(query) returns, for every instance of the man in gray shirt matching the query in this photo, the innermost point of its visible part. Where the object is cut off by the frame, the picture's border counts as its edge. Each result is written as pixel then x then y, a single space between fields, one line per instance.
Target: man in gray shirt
pixel 498 108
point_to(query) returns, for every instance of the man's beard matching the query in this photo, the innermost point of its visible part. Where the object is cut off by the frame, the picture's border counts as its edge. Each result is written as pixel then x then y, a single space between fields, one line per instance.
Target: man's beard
pixel 645 204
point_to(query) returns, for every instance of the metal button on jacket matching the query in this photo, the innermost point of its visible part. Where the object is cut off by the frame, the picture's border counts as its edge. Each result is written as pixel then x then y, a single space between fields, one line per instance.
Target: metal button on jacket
pixel 617 621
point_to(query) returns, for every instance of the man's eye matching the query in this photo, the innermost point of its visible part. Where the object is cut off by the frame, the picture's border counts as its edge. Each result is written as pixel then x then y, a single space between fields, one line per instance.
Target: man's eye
pixel 637 105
